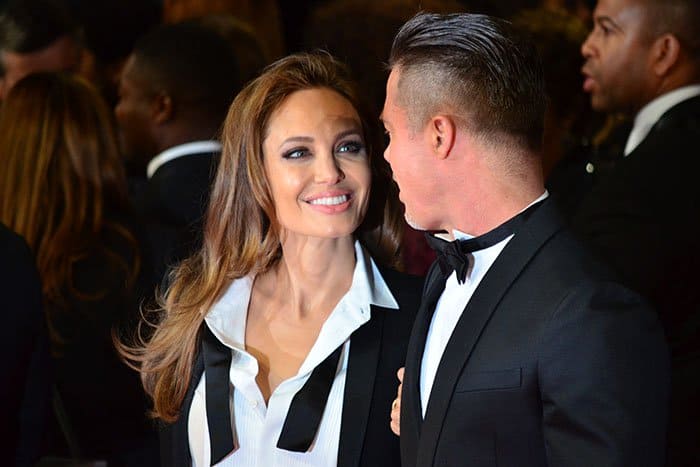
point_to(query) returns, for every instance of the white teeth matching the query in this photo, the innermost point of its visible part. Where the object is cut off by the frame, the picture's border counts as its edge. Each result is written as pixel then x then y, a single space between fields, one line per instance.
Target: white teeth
pixel 330 201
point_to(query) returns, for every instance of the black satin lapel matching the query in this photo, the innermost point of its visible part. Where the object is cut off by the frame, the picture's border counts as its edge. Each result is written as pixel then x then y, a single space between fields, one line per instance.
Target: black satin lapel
pixel 174 439
pixel 515 256
pixel 217 364
pixel 411 412
pixel 308 404
pixel 359 387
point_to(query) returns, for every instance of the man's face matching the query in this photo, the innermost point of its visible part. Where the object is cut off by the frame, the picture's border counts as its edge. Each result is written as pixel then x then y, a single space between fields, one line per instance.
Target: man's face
pixel 63 54
pixel 409 155
pixel 133 113
pixel 617 72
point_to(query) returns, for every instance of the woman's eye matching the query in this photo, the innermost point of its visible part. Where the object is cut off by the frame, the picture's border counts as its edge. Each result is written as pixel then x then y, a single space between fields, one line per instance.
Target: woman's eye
pixel 352 147
pixel 295 153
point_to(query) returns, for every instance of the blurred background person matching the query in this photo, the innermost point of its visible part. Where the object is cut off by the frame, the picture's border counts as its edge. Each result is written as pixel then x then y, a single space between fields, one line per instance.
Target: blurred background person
pixel 174 92
pixel 37 35
pixel 243 40
pixel 262 15
pixel 642 59
pixel 62 187
pixel 110 28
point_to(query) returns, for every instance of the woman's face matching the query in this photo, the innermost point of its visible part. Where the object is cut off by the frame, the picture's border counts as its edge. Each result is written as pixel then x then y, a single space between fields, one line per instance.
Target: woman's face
pixel 317 165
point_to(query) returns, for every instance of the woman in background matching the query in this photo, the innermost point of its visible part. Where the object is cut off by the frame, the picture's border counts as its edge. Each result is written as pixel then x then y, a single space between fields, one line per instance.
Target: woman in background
pixel 279 341
pixel 62 187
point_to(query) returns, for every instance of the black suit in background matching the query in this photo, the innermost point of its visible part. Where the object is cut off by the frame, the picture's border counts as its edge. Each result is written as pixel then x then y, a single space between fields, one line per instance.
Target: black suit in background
pixel 644 219
pixel 377 351
pixel 551 364
pixel 171 206
pixel 25 382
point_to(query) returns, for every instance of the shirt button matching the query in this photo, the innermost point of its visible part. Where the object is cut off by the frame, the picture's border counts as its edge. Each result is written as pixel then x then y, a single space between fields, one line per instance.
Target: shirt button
pixel 254 403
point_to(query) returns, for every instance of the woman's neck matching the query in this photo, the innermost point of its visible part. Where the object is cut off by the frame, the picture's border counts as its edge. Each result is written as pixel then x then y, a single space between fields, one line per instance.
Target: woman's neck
pixel 312 275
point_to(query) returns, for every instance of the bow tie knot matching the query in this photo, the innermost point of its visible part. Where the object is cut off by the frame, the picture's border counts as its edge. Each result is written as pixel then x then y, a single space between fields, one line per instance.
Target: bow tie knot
pixel 451 257
pixel 457 255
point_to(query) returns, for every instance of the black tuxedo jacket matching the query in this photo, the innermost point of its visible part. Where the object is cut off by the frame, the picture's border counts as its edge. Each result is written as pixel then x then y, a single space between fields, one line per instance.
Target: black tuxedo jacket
pixel 377 351
pixel 550 364
pixel 171 206
pixel 644 219
pixel 25 381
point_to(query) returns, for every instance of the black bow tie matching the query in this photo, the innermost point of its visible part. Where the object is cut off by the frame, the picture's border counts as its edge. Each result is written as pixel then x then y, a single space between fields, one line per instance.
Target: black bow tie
pixel 456 255
pixel 304 415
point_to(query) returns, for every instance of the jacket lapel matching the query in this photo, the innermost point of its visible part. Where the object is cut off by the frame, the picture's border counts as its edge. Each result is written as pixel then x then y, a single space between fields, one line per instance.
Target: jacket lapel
pixel 498 280
pixel 411 412
pixel 175 444
pixel 359 387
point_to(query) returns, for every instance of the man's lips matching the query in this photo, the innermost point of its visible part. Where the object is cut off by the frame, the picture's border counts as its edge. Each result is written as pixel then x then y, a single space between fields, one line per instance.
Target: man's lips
pixel 588 81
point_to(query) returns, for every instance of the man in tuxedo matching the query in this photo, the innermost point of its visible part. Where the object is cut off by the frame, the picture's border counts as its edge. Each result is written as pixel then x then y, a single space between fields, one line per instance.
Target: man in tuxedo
pixel 174 93
pixel 525 351
pixel 643 59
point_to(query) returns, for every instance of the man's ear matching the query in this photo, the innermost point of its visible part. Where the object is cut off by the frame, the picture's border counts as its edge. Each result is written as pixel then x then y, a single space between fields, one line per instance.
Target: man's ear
pixel 441 132
pixel 665 52
pixel 162 108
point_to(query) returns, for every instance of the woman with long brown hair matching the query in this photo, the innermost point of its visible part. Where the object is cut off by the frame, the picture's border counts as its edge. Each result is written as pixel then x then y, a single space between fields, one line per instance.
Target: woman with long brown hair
pixel 63 188
pixel 279 341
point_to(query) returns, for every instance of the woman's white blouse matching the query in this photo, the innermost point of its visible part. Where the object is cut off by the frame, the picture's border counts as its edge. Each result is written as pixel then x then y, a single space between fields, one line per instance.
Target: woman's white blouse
pixel 257 427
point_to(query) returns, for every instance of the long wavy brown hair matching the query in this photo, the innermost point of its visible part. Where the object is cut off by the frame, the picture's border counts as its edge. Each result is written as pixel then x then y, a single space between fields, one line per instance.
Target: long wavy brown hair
pixel 60 176
pixel 240 233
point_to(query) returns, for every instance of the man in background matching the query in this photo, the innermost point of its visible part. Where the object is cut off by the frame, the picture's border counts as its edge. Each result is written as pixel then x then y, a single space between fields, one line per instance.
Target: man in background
pixel 174 93
pixel 643 60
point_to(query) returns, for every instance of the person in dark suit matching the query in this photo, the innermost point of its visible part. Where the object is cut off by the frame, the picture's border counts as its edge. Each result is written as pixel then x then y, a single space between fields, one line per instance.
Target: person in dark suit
pixel 525 351
pixel 25 382
pixel 642 60
pixel 173 95
pixel 280 337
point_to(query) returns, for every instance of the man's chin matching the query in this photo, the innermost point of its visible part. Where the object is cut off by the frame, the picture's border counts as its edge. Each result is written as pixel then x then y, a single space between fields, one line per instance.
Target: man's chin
pixel 413 223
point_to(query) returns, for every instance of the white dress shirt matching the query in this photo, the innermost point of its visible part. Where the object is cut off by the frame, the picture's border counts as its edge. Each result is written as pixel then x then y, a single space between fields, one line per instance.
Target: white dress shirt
pixel 257 427
pixel 652 112
pixel 195 147
pixel 450 307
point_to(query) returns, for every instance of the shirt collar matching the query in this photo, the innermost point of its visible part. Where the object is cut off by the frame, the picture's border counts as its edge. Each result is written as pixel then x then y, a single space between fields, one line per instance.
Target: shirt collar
pixel 647 117
pixel 483 259
pixel 227 317
pixel 195 147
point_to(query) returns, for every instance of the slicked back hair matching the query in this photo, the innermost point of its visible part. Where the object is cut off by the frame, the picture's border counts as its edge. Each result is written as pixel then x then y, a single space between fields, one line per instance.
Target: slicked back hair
pixel 477 68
